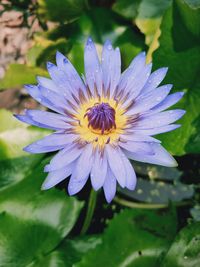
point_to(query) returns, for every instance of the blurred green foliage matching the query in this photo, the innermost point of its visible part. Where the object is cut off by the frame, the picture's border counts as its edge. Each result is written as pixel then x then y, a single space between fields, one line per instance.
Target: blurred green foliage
pixel 36 227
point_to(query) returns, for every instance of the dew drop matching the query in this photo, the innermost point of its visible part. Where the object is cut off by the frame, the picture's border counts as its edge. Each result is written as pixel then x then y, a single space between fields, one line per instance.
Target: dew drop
pixel 65 60
pixel 109 47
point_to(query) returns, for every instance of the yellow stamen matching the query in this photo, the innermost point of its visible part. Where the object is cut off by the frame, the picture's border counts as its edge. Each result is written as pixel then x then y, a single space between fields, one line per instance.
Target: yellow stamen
pixel 94 135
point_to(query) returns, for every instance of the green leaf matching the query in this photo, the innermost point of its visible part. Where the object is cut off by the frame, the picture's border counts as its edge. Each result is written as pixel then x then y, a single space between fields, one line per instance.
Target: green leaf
pixel 62 10
pixel 133 238
pixel 17 75
pixel 15 135
pixel 111 27
pixel 185 251
pixel 156 171
pixel 150 13
pixel 33 222
pixel 127 9
pixel 180 51
pixel 69 252
pixel 151 191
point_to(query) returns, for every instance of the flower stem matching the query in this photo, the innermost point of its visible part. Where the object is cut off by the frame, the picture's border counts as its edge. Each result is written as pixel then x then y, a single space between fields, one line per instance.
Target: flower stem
pixel 90 211
pixel 138 205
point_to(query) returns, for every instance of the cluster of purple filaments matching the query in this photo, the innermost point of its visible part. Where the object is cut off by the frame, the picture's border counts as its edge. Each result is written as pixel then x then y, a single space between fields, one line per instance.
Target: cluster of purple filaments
pixel 101 117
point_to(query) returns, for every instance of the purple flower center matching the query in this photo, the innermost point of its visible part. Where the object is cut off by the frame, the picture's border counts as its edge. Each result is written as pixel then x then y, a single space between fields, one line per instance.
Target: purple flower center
pixel 101 117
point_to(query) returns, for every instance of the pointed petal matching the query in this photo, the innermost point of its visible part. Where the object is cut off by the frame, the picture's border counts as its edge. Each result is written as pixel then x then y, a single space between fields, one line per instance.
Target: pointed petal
pixel 82 170
pixel 154 80
pixel 36 93
pixel 63 158
pixel 137 147
pixel 136 67
pixel 160 119
pixel 36 149
pixel 109 186
pixel 28 120
pixel 49 84
pixel 73 77
pixel 99 171
pixel 137 82
pixel 106 60
pixel 160 156
pixel 56 139
pixel 138 137
pixel 53 142
pixel 147 101
pixel 92 67
pixel 55 177
pixel 116 164
pixel 130 173
pixel 59 78
pixel 51 120
pixel 167 102
pixel 153 131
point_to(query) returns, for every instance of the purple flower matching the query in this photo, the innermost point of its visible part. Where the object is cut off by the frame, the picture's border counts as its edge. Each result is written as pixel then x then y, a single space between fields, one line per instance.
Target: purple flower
pixel 102 120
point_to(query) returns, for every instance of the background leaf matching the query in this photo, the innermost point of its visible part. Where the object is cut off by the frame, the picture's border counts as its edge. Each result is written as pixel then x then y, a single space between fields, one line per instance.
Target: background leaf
pixel 17 75
pixel 180 51
pixel 133 238
pixel 33 218
pixel 185 250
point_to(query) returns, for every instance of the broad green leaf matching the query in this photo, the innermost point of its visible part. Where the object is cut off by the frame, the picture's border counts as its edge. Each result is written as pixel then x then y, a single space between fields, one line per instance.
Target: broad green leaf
pixel 127 8
pixel 69 252
pixel 149 17
pixel 33 222
pixel 185 250
pixel 161 192
pixel 180 51
pixel 133 238
pixel 27 201
pixel 15 135
pixel 17 75
pixel 111 27
pixel 156 172
pixel 62 10
pixel 195 212
pixel 49 52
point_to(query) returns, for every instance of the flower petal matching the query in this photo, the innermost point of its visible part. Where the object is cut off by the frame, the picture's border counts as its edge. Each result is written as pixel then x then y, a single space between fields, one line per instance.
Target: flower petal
pixel 92 67
pixel 153 131
pixel 147 101
pixel 160 156
pixel 138 81
pixel 51 120
pixel 154 80
pixel 36 93
pixel 116 164
pixel 137 65
pixel 99 170
pixel 58 138
pixel 167 102
pixel 138 137
pixel 160 119
pixel 109 186
pixel 111 67
pixel 59 78
pixel 37 149
pixel 63 158
pixel 82 170
pixel 55 177
pixel 130 173
pixel 137 147
pixel 73 77
pixel 49 84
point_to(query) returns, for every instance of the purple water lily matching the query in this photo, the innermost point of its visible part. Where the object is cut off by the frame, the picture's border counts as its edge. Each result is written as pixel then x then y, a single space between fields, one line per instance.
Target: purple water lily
pixel 102 120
